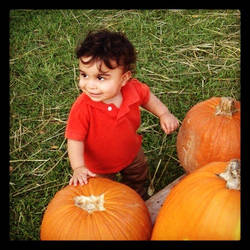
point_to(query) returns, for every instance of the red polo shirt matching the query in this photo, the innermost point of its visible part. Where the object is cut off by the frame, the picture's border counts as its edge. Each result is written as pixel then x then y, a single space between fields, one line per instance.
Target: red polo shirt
pixel 109 133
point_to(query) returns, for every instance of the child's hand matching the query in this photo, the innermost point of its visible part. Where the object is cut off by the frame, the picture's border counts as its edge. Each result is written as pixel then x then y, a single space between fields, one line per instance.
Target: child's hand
pixel 81 175
pixel 169 123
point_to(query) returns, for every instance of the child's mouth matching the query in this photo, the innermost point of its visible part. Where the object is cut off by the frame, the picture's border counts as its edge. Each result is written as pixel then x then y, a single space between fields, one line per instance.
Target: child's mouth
pixel 94 94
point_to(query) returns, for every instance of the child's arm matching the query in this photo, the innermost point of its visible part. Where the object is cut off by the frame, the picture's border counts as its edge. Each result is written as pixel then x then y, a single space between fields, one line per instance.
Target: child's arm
pixel 81 173
pixel 167 120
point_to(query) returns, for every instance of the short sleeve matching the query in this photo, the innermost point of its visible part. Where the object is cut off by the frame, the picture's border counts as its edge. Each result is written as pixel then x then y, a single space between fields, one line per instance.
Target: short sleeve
pixel 143 90
pixel 78 121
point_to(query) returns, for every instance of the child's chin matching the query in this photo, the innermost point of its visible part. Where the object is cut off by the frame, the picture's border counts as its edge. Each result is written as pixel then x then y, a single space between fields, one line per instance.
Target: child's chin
pixel 95 98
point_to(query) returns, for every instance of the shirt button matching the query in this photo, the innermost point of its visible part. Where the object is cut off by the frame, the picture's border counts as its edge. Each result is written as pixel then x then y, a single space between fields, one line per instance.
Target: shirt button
pixel 109 108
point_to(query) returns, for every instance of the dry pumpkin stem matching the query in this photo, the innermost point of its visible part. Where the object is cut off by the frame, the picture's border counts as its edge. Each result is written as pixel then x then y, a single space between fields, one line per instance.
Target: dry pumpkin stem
pixel 232 175
pixel 226 106
pixel 90 203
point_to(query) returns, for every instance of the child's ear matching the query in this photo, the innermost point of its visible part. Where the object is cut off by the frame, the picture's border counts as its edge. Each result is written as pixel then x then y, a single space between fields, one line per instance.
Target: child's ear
pixel 125 77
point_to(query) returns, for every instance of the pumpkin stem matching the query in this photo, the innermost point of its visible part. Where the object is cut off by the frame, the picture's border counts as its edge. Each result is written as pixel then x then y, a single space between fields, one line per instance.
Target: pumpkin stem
pixel 226 106
pixel 90 203
pixel 232 175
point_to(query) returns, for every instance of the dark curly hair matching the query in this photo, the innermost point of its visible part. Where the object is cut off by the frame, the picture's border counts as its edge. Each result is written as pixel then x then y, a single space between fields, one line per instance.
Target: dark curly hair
pixel 105 45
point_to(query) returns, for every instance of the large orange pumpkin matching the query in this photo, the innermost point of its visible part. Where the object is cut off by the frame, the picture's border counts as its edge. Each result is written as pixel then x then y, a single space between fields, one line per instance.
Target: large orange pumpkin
pixel 100 210
pixel 209 132
pixel 204 205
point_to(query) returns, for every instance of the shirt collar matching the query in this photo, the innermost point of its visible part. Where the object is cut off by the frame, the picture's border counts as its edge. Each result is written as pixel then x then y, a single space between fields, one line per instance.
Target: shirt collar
pixel 129 94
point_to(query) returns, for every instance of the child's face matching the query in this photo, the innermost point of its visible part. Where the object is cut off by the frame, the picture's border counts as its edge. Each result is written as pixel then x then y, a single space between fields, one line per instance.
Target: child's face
pixel 101 84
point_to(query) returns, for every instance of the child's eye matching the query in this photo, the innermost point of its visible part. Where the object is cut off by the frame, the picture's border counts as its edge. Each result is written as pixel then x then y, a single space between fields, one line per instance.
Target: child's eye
pixel 84 75
pixel 100 78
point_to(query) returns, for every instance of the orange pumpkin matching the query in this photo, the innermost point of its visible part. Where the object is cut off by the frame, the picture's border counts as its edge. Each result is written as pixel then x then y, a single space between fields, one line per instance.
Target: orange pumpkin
pixel 100 210
pixel 209 132
pixel 204 205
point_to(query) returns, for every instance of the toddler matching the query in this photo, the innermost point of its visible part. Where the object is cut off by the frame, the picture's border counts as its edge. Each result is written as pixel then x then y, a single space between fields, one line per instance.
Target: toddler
pixel 101 130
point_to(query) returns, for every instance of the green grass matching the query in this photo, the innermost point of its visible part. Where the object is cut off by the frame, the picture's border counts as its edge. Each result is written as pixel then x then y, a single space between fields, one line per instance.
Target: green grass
pixel 185 56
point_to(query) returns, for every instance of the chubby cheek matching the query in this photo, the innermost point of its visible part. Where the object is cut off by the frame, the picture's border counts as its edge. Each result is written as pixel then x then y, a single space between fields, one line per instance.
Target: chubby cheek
pixel 81 85
pixel 111 89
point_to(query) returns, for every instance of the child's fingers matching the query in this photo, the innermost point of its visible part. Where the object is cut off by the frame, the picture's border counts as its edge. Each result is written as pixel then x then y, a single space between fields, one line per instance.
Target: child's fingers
pixel 80 180
pixel 169 128
pixel 91 174
pixel 166 130
pixel 75 181
pixel 83 179
pixel 71 181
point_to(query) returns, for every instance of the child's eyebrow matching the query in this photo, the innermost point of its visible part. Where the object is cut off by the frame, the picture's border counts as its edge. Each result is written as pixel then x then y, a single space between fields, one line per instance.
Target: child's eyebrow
pixel 99 74
pixel 103 74
pixel 82 72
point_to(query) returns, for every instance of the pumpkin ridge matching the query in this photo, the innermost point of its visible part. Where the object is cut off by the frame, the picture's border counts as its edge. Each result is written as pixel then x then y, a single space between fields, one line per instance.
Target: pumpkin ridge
pixel 203 146
pixel 108 227
pixel 221 212
pixel 124 210
pixel 73 225
pixel 96 225
pixel 54 209
pixel 213 211
pixel 119 225
pixel 81 220
pixel 216 136
pixel 189 226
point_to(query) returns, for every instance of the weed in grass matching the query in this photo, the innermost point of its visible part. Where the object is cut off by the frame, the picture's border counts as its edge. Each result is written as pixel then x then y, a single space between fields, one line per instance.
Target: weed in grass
pixel 185 56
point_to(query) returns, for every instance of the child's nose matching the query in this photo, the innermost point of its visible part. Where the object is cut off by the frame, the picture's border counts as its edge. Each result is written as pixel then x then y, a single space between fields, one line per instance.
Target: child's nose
pixel 91 84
